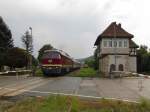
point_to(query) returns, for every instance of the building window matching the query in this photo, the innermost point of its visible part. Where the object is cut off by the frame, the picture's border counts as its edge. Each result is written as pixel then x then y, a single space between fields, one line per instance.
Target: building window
pixel 120 43
pixel 105 43
pixel 110 43
pixel 120 68
pixel 125 43
pixel 115 43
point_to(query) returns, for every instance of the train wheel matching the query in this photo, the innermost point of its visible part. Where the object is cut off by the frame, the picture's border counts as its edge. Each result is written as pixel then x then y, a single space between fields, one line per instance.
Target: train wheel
pixel 60 71
pixel 45 74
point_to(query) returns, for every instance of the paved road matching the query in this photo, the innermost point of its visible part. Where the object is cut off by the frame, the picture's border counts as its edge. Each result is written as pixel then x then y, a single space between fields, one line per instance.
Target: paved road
pixel 126 89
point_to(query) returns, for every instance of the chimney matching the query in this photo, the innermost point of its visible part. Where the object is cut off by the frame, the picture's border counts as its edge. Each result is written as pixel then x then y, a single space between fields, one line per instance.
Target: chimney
pixel 114 22
pixel 119 25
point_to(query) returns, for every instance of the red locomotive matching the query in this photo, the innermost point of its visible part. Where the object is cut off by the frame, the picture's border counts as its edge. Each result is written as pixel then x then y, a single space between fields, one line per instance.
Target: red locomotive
pixel 57 62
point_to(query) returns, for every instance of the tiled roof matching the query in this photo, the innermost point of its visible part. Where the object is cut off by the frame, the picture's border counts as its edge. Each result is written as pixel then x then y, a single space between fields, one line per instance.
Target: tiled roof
pixel 132 44
pixel 113 30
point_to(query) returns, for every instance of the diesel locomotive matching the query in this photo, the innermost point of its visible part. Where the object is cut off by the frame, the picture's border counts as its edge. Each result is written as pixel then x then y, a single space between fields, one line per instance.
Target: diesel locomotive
pixel 58 62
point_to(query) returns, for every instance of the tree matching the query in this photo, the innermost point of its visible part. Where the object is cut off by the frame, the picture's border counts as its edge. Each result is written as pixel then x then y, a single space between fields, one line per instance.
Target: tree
pixel 90 62
pixel 143 59
pixel 28 42
pixel 96 59
pixel 16 58
pixel 6 41
pixel 34 61
pixel 41 51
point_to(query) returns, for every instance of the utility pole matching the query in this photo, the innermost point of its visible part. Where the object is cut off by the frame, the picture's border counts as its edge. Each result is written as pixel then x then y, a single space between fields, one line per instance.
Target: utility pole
pixel 31 51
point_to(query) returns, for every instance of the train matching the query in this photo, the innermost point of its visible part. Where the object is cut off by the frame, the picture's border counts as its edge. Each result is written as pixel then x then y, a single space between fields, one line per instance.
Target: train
pixel 58 62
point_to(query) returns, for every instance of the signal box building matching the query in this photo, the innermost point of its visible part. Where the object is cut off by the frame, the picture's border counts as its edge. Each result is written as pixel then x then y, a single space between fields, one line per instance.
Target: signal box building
pixel 116 50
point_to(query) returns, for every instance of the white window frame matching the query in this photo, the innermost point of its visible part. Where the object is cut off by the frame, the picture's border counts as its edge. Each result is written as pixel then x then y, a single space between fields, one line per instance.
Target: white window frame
pixel 115 43
pixel 110 43
pixel 105 43
pixel 125 43
pixel 120 43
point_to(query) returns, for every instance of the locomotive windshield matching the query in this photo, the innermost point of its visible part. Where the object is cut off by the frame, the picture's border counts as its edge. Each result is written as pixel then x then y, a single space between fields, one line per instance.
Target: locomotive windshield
pixel 51 55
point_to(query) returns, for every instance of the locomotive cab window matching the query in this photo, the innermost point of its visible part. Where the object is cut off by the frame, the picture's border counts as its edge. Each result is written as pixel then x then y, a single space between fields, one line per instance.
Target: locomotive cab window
pixel 52 55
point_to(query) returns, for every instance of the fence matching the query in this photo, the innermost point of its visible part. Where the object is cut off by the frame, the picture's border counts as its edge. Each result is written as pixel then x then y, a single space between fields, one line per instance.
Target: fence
pixel 19 72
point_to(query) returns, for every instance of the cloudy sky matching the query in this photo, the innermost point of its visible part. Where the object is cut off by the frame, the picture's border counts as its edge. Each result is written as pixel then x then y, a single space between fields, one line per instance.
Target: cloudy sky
pixel 73 25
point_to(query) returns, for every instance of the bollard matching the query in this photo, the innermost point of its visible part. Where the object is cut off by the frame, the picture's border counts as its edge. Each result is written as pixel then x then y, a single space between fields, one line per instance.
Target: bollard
pixel 17 76
pixel 140 84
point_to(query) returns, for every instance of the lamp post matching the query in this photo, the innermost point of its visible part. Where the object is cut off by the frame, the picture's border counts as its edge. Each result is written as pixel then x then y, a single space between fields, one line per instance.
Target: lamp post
pixel 30 28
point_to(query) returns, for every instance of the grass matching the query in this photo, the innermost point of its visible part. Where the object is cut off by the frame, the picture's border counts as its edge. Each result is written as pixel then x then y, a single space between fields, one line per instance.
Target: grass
pixel 84 72
pixel 74 104
pixel 146 73
pixel 39 72
pixel 4 105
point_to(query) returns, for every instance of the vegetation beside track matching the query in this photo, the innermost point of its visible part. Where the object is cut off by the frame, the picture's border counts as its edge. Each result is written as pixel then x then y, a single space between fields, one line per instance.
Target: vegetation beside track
pixel 74 104
pixel 38 72
pixel 84 72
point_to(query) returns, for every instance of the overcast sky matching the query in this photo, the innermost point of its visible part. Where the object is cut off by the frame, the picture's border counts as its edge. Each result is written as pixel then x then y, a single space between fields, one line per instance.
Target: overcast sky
pixel 73 25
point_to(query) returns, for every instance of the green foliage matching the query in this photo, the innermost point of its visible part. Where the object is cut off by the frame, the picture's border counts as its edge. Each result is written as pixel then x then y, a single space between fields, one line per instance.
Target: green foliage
pixel 39 72
pixel 90 62
pixel 16 58
pixel 6 41
pixel 144 105
pixel 34 61
pixel 73 104
pixel 143 59
pixel 54 104
pixel 93 61
pixel 87 72
pixel 41 51
pixel 84 72
pixel 96 60
pixel 27 42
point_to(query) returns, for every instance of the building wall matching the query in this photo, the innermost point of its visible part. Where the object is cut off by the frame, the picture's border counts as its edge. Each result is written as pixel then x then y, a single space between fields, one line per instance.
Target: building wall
pixel 120 59
pixel 117 50
pixel 128 62
pixel 110 50
pixel 104 64
pixel 133 63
